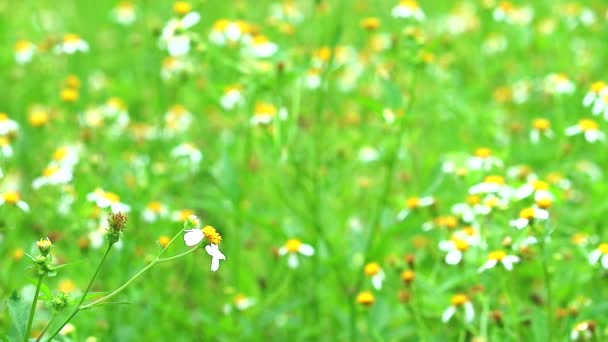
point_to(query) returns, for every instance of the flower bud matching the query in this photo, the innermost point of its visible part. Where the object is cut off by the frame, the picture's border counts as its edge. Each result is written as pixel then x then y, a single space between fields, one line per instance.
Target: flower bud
pixel 44 246
pixel 116 225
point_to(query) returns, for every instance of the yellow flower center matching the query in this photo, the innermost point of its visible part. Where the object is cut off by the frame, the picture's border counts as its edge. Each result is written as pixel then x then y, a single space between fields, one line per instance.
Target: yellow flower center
pixel 22 45
pixel 11 197
pixel 365 298
pixel 544 202
pixel 164 241
pixel 411 4
pixel 483 152
pixel 155 206
pixel 4 141
pixel 412 202
pixel 324 54
pixel 66 286
pixel 262 108
pixel 69 95
pixel 506 6
pixel 491 202
pixel 212 235
pixel 588 125
pixel 112 197
pixel 603 248
pixel 408 276
pixel 71 38
pixel 184 214
pixel 3 117
pixel 449 222
pixel 459 299
pixel 259 40
pixel 182 7
pixel 527 214
pixel 60 154
pixel 17 254
pixel 293 245
pixel 372 269
pixel 497 255
pixel 38 118
pixel 495 180
pixel 541 124
pixel 72 82
pixel 460 244
pixel 371 23
pixel 597 87
pixel 51 170
pixel 540 185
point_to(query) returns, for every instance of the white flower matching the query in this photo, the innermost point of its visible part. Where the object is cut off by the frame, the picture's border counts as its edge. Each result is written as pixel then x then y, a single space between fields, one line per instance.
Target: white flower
pixel 216 256
pixel 368 154
pixel 376 274
pixel 600 253
pixel 583 331
pixel 24 51
pixel 193 237
pixel 499 256
pixel 312 80
pixel 539 188
pixel 558 84
pixel 53 175
pixel 414 203
pixel 483 160
pixel 264 113
pixel 174 35
pixel 13 198
pixel 124 13
pixel 408 9
pixel 7 126
pixel 154 211
pixel 71 44
pixel 459 300
pixel 492 185
pixel 540 127
pixel 293 247
pixel 104 199
pixel 232 97
pixel 260 47
pixel 589 128
pixel 188 151
pixel 528 215
pixel 455 249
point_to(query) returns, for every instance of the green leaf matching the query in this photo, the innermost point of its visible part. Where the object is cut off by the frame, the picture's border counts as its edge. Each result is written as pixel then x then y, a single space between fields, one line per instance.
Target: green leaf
pixel 18 312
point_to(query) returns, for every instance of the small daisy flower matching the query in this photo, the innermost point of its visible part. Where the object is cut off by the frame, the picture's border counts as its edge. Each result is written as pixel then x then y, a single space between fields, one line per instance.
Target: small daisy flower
pixel 232 97
pixel 499 256
pixel 583 331
pixel 71 44
pixel 600 106
pixel 286 12
pixel 173 67
pixel 483 160
pixel 459 301
pixel 292 247
pixel 187 152
pixel 174 35
pixel 13 198
pixel 408 9
pixel 494 44
pixel 540 127
pixel 53 175
pixel 589 128
pixel 529 215
pixel 226 32
pixel 124 13
pixel 538 188
pixel 264 113
pixel 596 91
pixel 600 253
pixel 365 298
pixel 66 157
pixel 181 215
pixel 368 154
pixel 312 80
pixel 414 203
pixel 558 84
pixel 240 302
pixel 5 147
pixel 492 184
pixel 489 204
pixel 7 126
pixel 24 51
pixel 455 249
pixel 260 47
pixel 105 199
pixel 193 237
pixel 154 211
pixel 177 119
pixel 503 11
pixel 376 274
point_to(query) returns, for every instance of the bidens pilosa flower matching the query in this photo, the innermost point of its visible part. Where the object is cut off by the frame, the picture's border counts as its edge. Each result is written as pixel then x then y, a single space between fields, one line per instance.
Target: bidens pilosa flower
pixel 459 301
pixel 600 254
pixel 589 128
pixel 376 274
pixel 294 246
pixel 195 236
pixel 499 256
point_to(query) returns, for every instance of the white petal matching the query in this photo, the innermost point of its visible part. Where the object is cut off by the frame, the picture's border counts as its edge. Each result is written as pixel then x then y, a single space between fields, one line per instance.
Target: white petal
pixel 524 191
pixel 469 312
pixel 193 237
pixel 520 223
pixel 541 214
pixel 446 245
pixel 573 130
pixel 594 256
pixel 453 257
pixel 507 263
pixel 402 214
pixel 448 313
pixel 589 98
pixel 489 264
pixel 282 250
pixel 190 19
pixel 378 279
pixel 306 249
pixel 605 261
pixel 292 260
pixel 23 206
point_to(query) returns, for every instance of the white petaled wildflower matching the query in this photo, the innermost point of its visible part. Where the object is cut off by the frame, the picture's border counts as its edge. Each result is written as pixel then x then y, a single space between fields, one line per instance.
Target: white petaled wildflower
pixel 600 254
pixel 596 91
pixel 232 97
pixel 494 44
pixel 6 150
pixel 408 9
pixel 71 44
pixel 483 160
pixel 538 188
pixel 459 301
pixel 189 152
pixel 13 198
pixel 286 12
pixel 124 13
pixel 104 199
pixel 260 47
pixel 292 248
pixel 492 184
pixel 228 32
pixel 490 203
pixel 600 106
pixel 66 157
pixel 174 36
pixel 558 84
pixel 589 128
pixel 53 175
pixel 414 203
pixel 376 274
pixel 193 237
pixel 265 113
pixel 153 211
pixel 177 120
pixel 24 51
pixel 496 257
pixel 526 216
pixel 240 302
pixel 174 67
pixel 583 331
pixel 7 125
pixel 540 127
pixel 455 249
pixel 312 80
pixel 368 154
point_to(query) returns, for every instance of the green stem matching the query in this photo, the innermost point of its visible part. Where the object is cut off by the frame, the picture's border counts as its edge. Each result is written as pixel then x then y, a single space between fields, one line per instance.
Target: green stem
pixel 33 310
pixel 48 325
pixel 84 294
pixel 135 277
pixel 547 280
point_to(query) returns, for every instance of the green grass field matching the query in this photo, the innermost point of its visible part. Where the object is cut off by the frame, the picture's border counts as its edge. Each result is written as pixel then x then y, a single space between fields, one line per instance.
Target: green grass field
pixel 365 170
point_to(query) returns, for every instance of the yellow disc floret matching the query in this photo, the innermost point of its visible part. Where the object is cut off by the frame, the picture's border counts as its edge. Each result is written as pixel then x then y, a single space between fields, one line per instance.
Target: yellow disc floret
pixel 212 235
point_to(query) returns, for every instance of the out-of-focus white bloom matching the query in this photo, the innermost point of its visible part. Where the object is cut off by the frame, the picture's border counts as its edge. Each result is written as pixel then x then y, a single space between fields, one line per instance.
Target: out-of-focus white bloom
pixel 455 249
pixel 24 51
pixel 558 84
pixel 286 12
pixel 153 211
pixel 6 150
pixel 174 36
pixel 13 198
pixel 124 13
pixel 589 128
pixel 260 47
pixel 104 199
pixel 597 98
pixel 71 44
pixel 506 12
pixel 293 247
pixel 174 67
pixel 414 203
pixel 240 302
pixel 53 175
pixel 66 157
pixel 540 127
pixel 177 120
pixel 188 152
pixel 496 257
pixel 459 301
pixel 312 80
pixel 583 331
pixel 264 113
pixel 226 32
pixel 232 97
pixel 535 187
pixel 600 254
pixel 483 160
pixel 368 154
pixel 494 43
pixel 7 126
pixel 526 216
pixel 492 184
pixel 408 9
pixel 375 273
